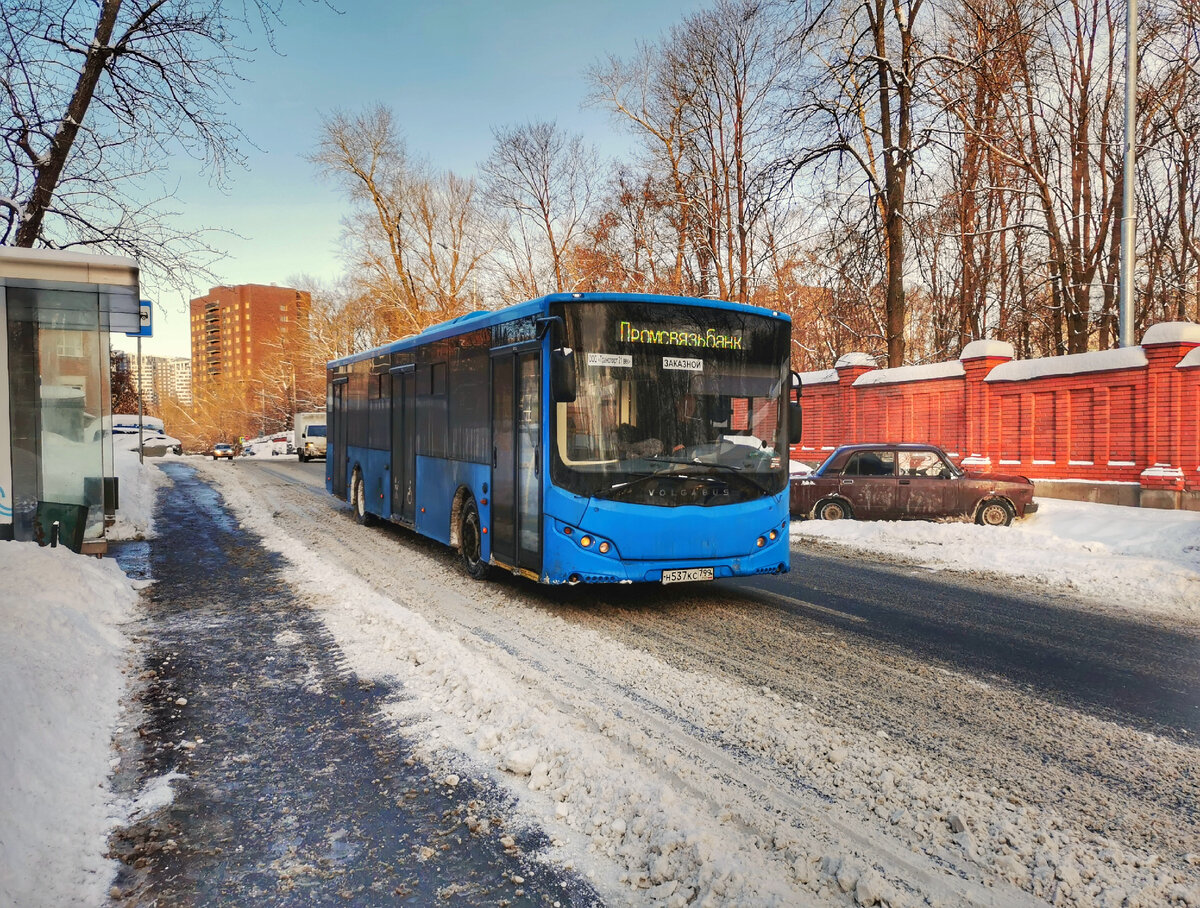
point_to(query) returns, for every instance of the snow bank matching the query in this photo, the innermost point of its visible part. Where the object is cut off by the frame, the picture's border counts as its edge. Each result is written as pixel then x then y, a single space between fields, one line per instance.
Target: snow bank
pixel 62 655
pixel 1139 559
pixel 138 484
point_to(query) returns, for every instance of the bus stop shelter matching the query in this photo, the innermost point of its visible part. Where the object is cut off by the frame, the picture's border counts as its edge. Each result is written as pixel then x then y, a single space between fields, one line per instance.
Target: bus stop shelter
pixel 56 456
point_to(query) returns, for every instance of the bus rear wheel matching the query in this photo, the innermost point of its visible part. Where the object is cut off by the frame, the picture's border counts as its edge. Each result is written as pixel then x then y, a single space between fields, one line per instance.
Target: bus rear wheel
pixel 358 498
pixel 470 542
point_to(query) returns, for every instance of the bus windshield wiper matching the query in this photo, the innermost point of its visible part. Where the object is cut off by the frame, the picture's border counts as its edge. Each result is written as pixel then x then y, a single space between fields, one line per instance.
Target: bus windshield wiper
pixel 657 474
pixel 695 462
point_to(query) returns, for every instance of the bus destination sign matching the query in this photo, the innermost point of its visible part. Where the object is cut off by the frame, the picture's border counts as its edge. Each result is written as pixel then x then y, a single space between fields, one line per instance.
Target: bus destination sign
pixel 710 337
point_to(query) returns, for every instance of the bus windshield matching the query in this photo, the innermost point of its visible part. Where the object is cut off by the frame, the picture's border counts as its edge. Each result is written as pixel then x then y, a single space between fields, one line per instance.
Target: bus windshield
pixel 676 404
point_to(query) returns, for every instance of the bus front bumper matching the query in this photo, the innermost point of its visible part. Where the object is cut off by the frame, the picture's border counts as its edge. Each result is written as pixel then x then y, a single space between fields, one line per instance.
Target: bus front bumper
pixel 593 567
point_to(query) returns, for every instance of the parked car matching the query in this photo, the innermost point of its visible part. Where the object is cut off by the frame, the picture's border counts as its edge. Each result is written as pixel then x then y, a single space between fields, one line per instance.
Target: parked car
pixel 222 451
pixel 907 481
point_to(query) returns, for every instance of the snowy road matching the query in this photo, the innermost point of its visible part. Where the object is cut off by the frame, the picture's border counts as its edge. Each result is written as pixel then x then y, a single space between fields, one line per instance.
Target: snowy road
pixel 755 746
pixel 1111 665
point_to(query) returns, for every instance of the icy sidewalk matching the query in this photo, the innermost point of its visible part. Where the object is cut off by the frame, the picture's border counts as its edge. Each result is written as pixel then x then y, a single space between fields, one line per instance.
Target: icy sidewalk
pixel 1134 559
pixel 291 786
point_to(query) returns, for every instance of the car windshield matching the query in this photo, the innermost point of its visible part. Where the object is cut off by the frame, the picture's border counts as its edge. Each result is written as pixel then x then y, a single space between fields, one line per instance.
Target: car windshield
pixel 820 471
pixel 315 431
pixel 224 447
pixel 673 392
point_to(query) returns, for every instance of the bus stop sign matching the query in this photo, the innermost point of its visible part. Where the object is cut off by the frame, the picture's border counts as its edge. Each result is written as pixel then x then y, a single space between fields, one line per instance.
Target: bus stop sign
pixel 145 321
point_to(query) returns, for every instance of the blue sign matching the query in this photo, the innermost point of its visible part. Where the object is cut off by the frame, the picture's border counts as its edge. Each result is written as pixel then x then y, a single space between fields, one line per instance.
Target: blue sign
pixel 145 321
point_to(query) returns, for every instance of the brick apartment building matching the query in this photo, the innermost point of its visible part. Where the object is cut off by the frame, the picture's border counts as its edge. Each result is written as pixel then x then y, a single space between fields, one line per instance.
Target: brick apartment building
pixel 238 331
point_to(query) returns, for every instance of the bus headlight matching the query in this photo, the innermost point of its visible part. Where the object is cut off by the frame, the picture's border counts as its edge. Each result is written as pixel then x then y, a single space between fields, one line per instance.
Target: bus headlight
pixel 762 540
pixel 585 541
pixel 603 547
pixel 773 535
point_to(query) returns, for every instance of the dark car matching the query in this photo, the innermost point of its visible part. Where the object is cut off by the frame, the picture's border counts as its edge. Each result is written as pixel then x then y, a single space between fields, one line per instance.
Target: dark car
pixel 903 482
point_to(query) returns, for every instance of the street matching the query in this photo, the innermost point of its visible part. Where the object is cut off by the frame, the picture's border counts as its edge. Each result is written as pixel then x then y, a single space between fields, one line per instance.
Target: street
pixel 944 739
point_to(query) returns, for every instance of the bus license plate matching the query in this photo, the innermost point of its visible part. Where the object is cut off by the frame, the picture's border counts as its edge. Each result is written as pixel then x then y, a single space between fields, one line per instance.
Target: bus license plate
pixel 685 575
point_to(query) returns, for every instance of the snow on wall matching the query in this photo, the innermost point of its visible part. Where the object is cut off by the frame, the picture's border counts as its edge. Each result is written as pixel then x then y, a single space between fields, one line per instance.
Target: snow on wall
pixel 852 360
pixel 1072 364
pixel 819 377
pixel 1172 333
pixel 981 348
pixel 952 369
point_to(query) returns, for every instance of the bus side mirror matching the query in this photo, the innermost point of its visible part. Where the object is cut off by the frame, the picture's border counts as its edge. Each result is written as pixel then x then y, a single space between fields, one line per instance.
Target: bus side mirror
pixel 562 376
pixel 795 423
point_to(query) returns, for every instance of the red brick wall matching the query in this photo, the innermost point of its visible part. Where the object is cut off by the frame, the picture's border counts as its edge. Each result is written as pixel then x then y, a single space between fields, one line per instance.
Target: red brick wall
pixel 1113 416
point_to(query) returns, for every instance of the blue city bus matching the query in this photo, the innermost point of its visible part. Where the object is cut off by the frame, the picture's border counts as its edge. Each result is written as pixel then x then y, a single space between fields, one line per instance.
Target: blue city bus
pixel 578 438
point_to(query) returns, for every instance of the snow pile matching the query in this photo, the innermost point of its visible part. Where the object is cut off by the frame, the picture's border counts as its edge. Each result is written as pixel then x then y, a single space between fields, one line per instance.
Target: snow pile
pixel 62 656
pixel 1135 558
pixel 138 483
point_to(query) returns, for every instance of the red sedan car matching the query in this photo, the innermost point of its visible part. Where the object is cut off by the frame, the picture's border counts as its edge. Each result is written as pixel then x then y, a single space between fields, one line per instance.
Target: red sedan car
pixel 901 482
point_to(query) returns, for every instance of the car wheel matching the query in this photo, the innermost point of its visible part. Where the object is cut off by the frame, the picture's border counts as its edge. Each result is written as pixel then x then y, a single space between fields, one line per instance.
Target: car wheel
pixel 358 495
pixel 995 512
pixel 833 510
pixel 214 457
pixel 470 542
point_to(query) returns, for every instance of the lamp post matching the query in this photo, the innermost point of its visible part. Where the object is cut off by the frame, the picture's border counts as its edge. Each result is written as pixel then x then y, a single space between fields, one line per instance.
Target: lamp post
pixel 1128 203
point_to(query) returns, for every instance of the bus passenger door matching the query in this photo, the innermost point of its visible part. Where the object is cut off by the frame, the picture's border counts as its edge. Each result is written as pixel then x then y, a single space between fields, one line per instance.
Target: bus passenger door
pixel 516 528
pixel 337 435
pixel 404 460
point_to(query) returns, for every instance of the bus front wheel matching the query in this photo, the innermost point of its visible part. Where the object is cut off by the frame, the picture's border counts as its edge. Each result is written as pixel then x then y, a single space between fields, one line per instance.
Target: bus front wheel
pixel 358 497
pixel 470 538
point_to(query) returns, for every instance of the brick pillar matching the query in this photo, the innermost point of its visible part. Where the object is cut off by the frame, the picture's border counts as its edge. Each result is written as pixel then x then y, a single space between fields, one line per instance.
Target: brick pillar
pixel 1165 345
pixel 979 358
pixel 849 367
pixel 1189 369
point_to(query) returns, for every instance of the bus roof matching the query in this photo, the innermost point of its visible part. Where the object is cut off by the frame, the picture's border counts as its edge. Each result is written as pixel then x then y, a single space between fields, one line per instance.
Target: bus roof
pixel 486 318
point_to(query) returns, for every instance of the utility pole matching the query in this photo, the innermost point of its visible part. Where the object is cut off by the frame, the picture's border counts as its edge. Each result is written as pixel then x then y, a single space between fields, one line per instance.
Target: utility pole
pixel 1128 203
pixel 141 442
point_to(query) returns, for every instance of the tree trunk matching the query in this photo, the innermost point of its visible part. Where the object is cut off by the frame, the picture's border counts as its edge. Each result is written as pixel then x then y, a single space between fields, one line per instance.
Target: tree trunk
pixel 51 168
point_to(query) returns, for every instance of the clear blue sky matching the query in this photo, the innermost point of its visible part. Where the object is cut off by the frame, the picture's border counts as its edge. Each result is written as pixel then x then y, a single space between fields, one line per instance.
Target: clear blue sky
pixel 451 71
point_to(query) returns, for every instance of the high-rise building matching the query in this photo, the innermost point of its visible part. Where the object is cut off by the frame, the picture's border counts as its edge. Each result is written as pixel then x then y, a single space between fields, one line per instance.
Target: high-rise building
pixel 163 376
pixel 239 331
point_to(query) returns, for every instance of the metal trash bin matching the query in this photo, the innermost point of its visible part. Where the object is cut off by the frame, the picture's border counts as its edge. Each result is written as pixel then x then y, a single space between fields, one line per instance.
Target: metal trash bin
pixel 72 522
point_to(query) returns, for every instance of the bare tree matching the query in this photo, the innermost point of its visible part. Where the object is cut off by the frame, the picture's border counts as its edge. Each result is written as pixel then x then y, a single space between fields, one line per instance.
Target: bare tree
pixel 95 97
pixel 706 103
pixel 859 112
pixel 545 181
pixel 653 95
pixel 417 239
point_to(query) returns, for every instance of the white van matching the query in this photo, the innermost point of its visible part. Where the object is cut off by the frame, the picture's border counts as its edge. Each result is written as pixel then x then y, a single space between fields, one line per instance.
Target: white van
pixel 309 440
